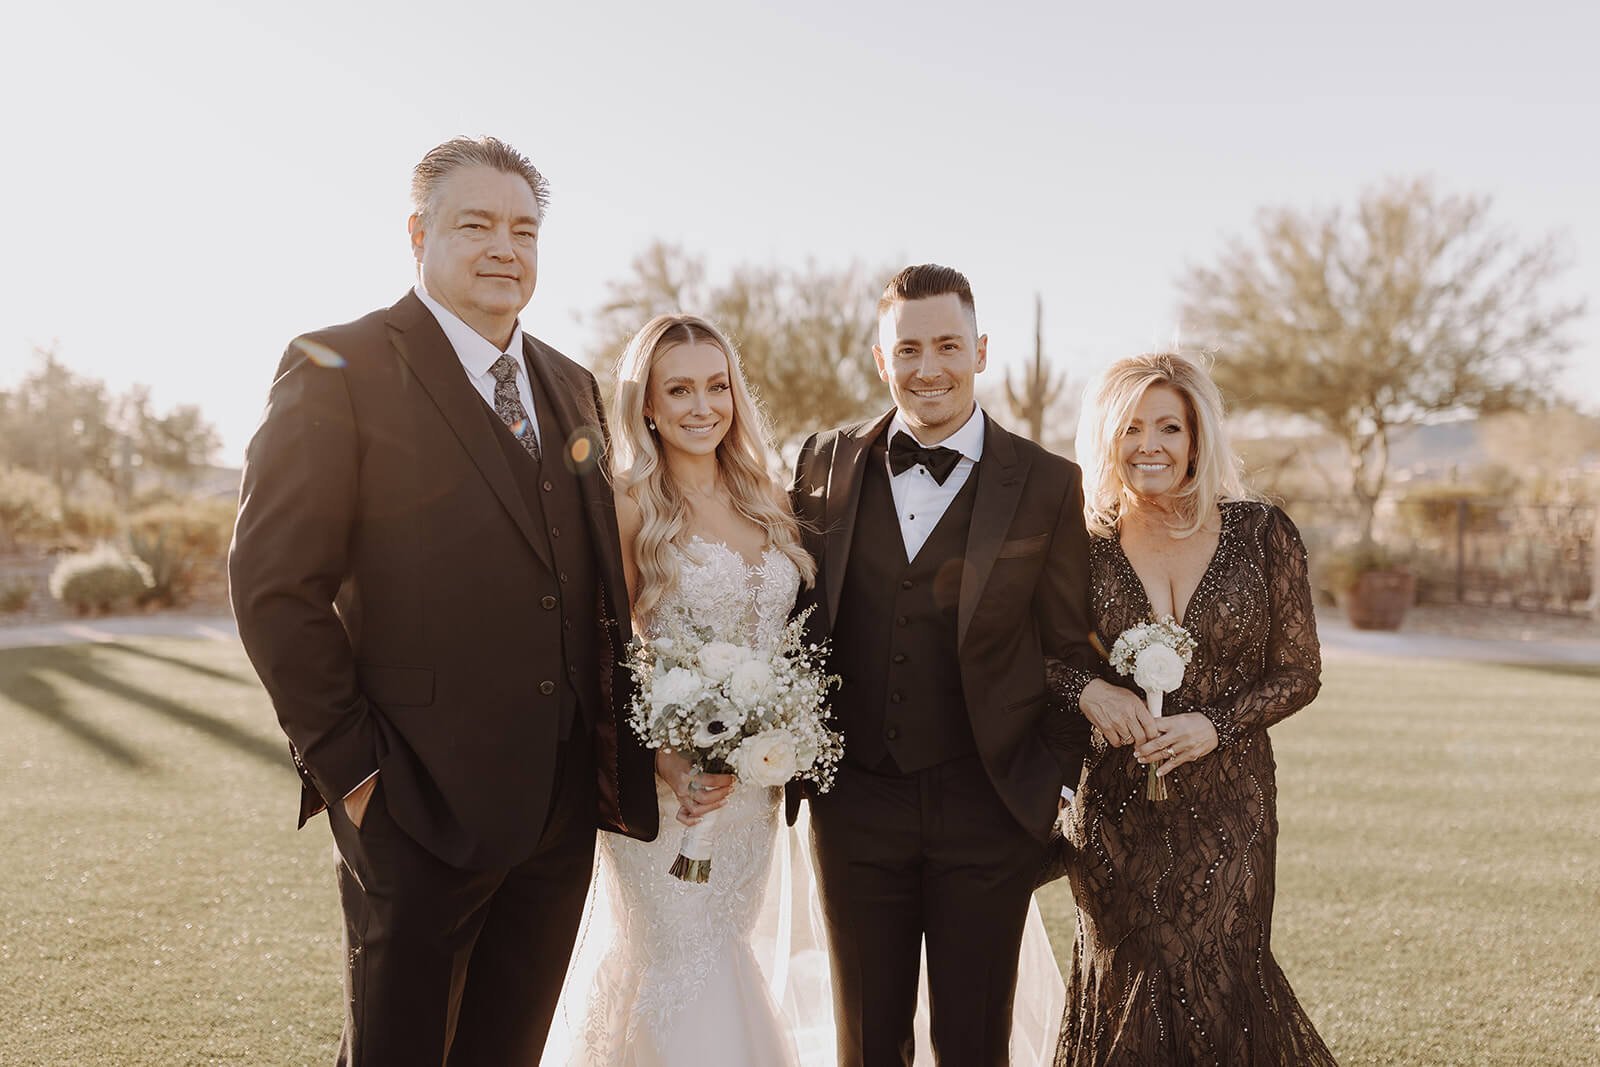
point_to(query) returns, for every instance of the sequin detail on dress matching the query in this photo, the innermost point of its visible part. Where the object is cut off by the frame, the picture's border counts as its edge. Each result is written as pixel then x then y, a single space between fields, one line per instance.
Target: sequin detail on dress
pixel 1172 962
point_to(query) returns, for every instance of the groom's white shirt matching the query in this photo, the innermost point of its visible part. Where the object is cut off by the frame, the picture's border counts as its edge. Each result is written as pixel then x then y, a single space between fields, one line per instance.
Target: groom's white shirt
pixel 919 500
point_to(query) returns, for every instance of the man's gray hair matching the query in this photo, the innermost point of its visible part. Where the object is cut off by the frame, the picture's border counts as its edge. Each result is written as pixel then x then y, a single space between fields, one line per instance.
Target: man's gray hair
pixel 458 152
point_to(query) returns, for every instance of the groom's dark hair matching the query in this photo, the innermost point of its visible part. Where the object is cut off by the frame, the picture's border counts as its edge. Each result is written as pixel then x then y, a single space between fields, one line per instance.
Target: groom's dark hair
pixel 927 280
pixel 458 152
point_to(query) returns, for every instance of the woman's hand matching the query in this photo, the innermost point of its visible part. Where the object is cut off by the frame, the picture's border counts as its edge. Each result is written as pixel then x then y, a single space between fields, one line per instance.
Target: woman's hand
pixel 1183 739
pixel 697 794
pixel 1119 714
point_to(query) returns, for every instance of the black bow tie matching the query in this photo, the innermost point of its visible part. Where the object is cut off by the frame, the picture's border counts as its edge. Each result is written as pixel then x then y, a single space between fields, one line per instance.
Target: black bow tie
pixel 905 453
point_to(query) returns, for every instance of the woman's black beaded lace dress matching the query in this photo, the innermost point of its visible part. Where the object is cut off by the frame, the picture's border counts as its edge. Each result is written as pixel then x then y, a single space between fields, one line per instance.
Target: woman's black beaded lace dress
pixel 1173 956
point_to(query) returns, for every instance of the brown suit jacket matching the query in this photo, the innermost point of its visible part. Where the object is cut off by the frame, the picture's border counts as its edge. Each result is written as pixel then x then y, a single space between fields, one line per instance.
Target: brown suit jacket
pixel 385 573
pixel 1023 596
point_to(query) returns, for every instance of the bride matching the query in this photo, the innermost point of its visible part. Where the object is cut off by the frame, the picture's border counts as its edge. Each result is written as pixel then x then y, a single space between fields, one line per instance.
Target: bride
pixel 707 537
pixel 670 973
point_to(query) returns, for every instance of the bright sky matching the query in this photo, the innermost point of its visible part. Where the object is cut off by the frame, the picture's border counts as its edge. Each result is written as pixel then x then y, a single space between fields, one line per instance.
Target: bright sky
pixel 194 184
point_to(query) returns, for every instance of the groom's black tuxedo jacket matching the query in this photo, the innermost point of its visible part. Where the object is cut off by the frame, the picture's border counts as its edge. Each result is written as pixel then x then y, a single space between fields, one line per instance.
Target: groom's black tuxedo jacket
pixel 394 581
pixel 1023 596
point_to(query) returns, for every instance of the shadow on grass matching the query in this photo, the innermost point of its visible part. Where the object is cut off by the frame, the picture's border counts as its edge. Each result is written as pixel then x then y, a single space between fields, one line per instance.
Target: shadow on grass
pixel 30 688
pixel 197 668
pixel 31 692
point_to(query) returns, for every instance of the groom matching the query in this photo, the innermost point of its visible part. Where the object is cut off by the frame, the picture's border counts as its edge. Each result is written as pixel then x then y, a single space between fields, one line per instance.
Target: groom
pixel 427 577
pixel 953 559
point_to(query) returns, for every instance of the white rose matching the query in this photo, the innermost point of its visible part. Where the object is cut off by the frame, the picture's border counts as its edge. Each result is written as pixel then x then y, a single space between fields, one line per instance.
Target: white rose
pixel 1158 668
pixel 679 686
pixel 719 658
pixel 750 682
pixel 767 759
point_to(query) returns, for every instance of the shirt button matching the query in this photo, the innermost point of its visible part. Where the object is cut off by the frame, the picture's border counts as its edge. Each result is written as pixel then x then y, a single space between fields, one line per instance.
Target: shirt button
pixel 548 603
pixel 897 697
pixel 547 688
pixel 547 486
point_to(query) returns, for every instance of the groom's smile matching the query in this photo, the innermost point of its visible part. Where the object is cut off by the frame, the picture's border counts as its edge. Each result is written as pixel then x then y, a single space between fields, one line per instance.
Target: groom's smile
pixel 928 351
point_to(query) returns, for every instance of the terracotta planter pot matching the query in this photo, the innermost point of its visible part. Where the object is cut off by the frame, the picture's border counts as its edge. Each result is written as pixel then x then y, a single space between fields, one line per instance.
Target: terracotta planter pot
pixel 1378 600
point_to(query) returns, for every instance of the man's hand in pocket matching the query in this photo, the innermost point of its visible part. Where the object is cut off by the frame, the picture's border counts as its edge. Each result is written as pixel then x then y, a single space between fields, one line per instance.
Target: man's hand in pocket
pixel 356 801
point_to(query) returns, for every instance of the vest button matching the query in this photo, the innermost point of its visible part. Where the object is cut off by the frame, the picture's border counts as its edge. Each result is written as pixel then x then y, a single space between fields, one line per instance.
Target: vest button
pixel 547 486
pixel 899 657
pixel 897 697
pixel 906 583
pixel 563 576
pixel 547 688
pixel 891 733
pixel 555 531
pixel 901 621
pixel 548 603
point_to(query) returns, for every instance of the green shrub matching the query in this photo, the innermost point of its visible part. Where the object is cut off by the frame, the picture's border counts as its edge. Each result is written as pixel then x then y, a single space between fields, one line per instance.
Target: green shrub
pixel 182 542
pixel 15 596
pixel 99 580
pixel 28 510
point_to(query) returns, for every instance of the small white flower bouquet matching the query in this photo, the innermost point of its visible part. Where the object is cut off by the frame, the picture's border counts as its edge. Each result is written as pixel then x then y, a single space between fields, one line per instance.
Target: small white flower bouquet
pixel 757 713
pixel 1155 653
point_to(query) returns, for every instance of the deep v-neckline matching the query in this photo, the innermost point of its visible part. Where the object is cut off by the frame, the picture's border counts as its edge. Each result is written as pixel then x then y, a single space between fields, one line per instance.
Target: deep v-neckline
pixel 1199 586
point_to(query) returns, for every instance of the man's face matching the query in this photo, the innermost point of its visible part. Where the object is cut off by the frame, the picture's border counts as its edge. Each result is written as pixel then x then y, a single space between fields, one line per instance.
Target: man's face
pixel 928 351
pixel 479 248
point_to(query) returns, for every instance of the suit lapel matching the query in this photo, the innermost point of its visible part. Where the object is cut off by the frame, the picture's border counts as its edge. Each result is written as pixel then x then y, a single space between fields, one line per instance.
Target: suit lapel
pixel 426 350
pixel 846 473
pixel 579 442
pixel 1001 476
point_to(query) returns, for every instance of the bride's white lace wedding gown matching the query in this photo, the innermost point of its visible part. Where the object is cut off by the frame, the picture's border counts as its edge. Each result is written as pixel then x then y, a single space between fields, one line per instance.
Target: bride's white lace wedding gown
pixel 733 972
pixel 680 984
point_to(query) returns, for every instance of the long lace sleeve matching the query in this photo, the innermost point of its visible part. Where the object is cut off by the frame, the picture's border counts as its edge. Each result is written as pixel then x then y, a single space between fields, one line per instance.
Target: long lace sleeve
pixel 1293 666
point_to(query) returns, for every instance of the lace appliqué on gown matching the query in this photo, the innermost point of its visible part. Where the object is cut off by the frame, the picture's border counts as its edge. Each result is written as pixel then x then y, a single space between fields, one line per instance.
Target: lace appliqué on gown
pixel 680 983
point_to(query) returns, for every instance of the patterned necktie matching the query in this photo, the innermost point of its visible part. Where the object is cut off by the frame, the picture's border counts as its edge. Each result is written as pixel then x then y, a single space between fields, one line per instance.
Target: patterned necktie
pixel 509 406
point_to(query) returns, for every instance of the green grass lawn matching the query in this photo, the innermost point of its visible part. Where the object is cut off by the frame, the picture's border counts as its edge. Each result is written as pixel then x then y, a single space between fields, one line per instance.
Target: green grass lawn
pixel 1438 897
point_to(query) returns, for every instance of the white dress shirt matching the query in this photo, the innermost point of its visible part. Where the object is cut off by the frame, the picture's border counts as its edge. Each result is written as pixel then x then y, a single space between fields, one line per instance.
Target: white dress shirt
pixel 919 500
pixel 477 355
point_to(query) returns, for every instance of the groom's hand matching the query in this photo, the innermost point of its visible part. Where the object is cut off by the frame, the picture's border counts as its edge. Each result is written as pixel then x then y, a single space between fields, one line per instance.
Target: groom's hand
pixel 356 801
pixel 698 794
pixel 1119 714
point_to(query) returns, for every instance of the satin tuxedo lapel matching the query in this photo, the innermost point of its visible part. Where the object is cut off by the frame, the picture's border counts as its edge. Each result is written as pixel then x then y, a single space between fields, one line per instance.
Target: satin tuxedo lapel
pixel 1001 477
pixel 846 473
pixel 426 350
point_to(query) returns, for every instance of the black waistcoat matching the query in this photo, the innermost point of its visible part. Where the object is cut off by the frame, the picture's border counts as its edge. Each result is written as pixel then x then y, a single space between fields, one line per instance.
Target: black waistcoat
pixel 894 641
pixel 565 616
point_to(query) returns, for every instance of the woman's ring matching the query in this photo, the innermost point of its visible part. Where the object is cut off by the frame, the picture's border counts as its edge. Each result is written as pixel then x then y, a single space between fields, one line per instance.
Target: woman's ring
pixel 1169 752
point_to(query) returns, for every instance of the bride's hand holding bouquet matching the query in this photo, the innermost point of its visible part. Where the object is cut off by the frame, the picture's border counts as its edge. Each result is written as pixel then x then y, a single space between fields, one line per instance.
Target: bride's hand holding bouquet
pixel 729 711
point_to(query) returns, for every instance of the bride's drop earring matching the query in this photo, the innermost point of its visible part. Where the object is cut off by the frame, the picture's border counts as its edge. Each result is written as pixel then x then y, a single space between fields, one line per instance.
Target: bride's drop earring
pixel 650 424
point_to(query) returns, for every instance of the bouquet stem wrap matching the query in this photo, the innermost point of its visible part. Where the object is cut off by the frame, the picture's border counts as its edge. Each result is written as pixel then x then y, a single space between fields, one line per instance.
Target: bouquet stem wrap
pixel 1155 786
pixel 694 854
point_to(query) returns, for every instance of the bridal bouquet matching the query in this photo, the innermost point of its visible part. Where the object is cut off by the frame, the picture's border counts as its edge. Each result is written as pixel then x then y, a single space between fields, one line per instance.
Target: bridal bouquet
pixel 1155 653
pixel 757 713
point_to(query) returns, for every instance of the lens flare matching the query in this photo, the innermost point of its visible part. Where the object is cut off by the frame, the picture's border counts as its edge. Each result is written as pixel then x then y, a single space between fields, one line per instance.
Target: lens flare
pixel 320 354
pixel 583 450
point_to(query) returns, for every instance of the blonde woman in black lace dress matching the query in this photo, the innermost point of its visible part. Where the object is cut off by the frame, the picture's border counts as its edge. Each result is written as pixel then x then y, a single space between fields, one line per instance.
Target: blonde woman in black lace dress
pixel 1173 958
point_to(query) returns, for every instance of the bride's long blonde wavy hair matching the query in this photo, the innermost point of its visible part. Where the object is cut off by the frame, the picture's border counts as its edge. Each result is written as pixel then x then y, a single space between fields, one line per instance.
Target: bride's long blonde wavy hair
pixel 745 458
